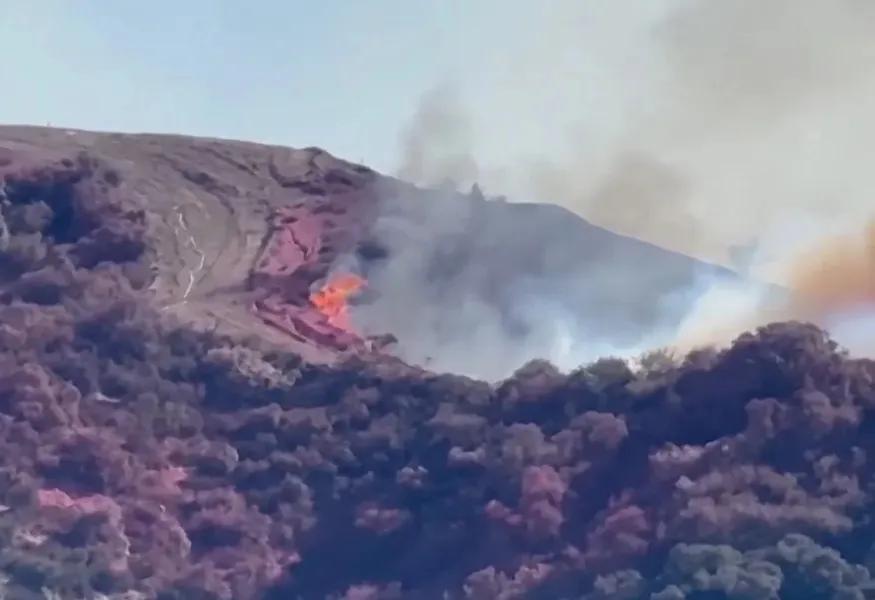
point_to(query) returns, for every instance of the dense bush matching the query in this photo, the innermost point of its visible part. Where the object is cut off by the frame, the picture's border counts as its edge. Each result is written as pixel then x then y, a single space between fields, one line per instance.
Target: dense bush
pixel 140 461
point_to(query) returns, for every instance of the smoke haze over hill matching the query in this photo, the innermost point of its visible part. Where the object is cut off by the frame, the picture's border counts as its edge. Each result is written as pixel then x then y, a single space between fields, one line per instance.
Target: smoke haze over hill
pixel 718 129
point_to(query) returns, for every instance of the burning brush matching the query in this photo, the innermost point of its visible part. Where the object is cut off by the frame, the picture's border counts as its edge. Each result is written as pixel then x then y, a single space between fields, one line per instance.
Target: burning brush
pixel 332 299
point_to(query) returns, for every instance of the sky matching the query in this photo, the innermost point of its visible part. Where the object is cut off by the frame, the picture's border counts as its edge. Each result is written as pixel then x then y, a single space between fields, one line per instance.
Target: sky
pixel 698 125
pixel 344 75
pixel 340 74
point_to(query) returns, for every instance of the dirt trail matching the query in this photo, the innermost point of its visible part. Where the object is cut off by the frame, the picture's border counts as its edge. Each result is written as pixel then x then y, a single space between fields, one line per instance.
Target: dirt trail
pixel 211 207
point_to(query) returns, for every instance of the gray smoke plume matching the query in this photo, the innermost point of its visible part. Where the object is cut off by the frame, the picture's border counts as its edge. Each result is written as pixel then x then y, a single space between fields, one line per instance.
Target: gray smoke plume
pixel 479 286
pixel 719 120
pixel 438 142
pixel 734 130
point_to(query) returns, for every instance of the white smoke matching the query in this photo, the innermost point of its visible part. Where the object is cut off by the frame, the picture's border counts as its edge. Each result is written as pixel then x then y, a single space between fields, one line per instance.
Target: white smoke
pixel 698 125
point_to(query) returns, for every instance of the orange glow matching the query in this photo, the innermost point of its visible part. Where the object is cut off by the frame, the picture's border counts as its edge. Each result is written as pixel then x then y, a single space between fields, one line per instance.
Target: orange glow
pixel 331 299
pixel 838 275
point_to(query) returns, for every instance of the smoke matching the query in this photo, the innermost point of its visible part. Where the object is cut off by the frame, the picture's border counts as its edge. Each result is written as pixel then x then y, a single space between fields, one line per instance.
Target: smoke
pixel 830 281
pixel 479 286
pixel 838 276
pixel 734 131
pixel 834 285
pixel 660 194
pixel 437 145
pixel 716 119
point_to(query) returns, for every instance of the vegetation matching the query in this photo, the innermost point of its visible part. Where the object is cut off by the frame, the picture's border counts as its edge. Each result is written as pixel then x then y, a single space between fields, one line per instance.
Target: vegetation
pixel 139 460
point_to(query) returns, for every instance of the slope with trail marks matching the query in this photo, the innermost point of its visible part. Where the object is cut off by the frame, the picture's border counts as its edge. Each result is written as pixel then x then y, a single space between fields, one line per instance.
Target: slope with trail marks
pixel 241 233
pixel 210 207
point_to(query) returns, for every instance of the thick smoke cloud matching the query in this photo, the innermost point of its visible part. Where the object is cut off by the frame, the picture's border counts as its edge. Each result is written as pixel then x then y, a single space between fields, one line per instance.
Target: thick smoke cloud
pixel 437 143
pixel 731 116
pixel 735 131
pixel 479 286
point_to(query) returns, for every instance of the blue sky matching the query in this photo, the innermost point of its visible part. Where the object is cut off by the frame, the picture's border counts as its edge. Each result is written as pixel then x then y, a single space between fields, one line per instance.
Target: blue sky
pixel 342 74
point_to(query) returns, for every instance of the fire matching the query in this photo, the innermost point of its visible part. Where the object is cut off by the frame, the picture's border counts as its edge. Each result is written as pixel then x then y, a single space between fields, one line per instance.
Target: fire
pixel 331 299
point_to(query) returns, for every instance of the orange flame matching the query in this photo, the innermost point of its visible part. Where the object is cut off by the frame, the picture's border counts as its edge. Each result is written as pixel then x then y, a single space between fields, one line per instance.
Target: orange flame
pixel 331 299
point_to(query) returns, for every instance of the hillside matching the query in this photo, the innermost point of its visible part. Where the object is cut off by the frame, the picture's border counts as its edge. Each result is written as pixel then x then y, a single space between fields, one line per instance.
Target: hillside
pixel 187 411
pixel 236 236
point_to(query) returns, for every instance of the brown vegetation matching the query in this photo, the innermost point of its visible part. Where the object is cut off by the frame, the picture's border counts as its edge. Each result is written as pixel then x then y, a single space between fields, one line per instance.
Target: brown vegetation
pixel 139 460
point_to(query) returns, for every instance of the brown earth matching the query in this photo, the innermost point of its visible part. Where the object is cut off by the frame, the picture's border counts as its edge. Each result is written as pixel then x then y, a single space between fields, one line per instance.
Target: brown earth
pixel 239 234
pixel 217 215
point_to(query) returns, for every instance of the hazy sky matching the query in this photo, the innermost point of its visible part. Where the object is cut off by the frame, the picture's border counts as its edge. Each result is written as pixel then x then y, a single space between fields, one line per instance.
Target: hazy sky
pixel 346 75
pixel 341 74
pixel 695 124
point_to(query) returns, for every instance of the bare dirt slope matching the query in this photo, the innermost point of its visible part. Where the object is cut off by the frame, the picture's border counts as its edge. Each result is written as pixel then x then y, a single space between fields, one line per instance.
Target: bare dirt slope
pixel 241 234
pixel 208 208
